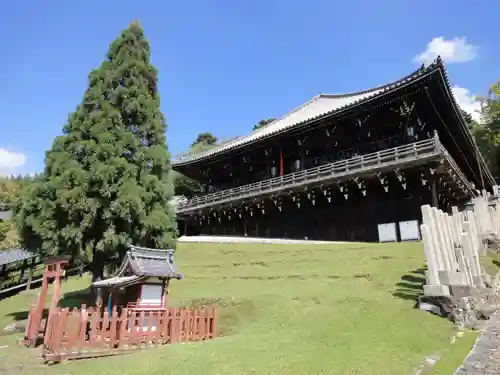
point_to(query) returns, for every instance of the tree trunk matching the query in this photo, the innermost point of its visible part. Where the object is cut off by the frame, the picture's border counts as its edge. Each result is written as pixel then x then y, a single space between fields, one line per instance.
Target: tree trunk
pixel 97 269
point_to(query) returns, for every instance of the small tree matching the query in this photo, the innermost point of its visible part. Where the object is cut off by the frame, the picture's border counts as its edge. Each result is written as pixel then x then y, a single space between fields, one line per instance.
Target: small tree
pixel 184 185
pixel 106 180
pixel 263 123
pixel 205 138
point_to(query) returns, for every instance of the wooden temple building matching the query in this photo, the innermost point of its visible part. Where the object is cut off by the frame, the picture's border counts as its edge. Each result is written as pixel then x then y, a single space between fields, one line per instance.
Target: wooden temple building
pixel 141 282
pixel 352 167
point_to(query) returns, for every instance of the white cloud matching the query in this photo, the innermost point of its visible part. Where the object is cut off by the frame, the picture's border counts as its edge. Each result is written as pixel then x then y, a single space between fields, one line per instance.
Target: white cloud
pixel 467 102
pixel 10 161
pixel 456 50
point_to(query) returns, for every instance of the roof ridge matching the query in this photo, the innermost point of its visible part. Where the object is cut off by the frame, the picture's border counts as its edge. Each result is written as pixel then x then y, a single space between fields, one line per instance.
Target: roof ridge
pixel 268 129
pixel 144 250
pixel 289 113
pixel 383 86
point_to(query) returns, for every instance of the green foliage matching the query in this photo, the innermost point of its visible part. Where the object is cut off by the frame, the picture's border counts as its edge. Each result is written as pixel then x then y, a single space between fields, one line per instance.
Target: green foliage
pixel 487 132
pixel 8 235
pixel 468 118
pixel 184 185
pixel 187 186
pixel 10 194
pixel 492 107
pixel 263 123
pixel 106 181
pixel 204 139
pixel 10 188
pixel 4 228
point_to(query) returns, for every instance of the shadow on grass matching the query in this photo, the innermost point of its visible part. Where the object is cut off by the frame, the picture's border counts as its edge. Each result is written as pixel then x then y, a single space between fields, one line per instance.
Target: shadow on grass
pixel 69 300
pixel 19 316
pixel 411 285
pixel 76 299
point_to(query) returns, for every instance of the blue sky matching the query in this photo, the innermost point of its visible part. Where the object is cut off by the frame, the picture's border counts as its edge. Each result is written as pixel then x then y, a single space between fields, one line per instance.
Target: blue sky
pixel 225 65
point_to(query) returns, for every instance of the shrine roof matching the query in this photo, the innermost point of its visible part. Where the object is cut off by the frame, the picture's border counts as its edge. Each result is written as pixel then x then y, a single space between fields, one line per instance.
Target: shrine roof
pixel 117 281
pixel 14 255
pixel 150 262
pixel 319 106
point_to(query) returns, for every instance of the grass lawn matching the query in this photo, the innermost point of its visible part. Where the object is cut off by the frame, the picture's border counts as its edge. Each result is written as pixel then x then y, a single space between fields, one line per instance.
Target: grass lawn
pixel 287 309
pixel 454 356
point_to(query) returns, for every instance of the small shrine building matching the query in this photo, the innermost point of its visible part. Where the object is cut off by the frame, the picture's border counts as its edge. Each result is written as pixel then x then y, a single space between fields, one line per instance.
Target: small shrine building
pixel 141 282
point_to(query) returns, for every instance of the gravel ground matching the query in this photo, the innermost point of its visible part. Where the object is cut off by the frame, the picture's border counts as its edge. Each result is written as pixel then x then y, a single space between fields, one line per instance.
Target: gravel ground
pixel 484 358
pixel 234 239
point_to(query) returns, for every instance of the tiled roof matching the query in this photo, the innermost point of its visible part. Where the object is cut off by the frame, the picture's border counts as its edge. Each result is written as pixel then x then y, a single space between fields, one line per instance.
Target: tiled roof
pixel 14 255
pixel 150 262
pixel 319 106
pixel 117 281
pixel 143 262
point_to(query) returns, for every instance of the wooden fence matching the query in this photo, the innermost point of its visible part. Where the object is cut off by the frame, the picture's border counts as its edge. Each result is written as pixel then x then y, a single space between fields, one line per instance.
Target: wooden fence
pixel 84 333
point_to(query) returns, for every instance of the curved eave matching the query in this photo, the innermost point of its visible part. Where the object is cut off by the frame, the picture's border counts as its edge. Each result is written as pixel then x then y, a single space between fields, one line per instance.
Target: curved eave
pixel 366 97
pixel 463 124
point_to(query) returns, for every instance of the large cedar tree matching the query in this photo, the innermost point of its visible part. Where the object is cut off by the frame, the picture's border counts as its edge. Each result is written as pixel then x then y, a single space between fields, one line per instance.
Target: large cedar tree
pixel 106 180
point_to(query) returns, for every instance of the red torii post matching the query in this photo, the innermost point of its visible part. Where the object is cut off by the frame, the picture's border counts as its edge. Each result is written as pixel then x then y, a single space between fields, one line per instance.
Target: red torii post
pixel 54 268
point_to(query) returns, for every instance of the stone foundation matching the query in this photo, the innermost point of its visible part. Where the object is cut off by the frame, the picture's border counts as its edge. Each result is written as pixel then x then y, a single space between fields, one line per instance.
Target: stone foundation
pixel 466 311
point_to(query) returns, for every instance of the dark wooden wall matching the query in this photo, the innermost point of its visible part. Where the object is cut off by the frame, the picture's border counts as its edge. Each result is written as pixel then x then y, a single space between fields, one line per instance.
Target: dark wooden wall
pixel 352 219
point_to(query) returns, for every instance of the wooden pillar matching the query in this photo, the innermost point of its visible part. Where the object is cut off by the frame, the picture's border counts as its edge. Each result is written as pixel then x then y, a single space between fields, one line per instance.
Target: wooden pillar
pixel 30 276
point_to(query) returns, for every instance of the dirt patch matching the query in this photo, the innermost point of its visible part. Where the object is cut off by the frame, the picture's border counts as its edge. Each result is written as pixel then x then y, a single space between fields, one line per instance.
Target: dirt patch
pixel 382 257
pixel 227 252
pixel 273 277
pixel 209 266
pixel 365 276
pixel 279 277
pixel 262 264
pixel 239 264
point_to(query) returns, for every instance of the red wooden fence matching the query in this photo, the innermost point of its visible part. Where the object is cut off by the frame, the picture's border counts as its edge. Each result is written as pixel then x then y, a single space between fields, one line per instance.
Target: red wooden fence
pixel 81 333
pixel 35 326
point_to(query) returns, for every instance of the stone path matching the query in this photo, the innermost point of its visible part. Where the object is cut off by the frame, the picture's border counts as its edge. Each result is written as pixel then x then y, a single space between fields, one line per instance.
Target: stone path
pixel 235 239
pixel 484 358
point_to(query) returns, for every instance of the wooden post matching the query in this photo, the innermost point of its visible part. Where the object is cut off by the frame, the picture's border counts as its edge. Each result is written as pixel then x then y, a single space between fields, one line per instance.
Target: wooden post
pixel 30 275
pixel 56 288
pixel 23 270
